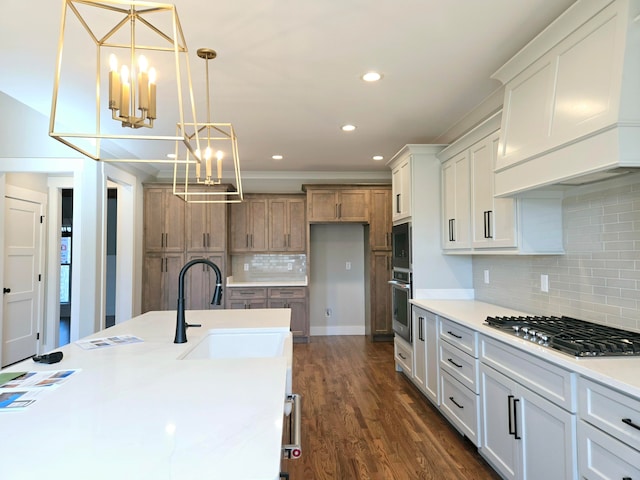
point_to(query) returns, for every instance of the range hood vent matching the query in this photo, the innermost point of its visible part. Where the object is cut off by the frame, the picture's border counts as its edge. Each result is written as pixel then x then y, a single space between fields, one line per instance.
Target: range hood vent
pixel 571 111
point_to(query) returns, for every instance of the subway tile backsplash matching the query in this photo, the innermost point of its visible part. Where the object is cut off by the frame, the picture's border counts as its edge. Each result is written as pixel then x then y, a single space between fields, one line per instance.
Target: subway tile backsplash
pixel 598 278
pixel 269 267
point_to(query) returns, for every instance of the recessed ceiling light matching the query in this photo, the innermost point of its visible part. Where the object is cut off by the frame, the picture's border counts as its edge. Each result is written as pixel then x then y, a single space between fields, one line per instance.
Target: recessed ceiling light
pixel 171 155
pixel 277 157
pixel 371 77
pixel 348 128
pixel 378 157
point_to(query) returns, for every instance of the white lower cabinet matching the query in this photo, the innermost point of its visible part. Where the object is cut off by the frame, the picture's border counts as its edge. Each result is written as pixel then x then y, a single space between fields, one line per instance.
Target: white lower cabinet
pixel 525 436
pixel 425 353
pixel 608 433
pixel 403 355
pixel 461 406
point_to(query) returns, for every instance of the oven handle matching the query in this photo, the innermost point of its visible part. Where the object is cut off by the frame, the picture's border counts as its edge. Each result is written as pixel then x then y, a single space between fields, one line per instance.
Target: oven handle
pixel 403 285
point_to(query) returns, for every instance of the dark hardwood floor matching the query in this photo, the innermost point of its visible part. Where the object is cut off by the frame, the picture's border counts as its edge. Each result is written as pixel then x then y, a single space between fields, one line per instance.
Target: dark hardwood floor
pixel 363 420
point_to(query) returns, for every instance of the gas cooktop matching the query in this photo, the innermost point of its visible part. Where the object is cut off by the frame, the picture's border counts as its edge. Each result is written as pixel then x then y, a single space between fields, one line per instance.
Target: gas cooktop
pixel 571 336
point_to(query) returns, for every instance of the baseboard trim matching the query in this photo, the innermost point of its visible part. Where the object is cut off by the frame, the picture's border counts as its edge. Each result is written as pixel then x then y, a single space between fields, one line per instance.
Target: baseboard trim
pixel 337 330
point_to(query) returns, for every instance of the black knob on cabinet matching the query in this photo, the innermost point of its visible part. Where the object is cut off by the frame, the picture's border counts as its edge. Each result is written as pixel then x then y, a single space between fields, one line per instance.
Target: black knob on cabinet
pixel 6 290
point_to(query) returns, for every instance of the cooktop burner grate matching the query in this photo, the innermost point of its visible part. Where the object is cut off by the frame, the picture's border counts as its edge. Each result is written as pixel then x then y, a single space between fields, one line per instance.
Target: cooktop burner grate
pixel 570 335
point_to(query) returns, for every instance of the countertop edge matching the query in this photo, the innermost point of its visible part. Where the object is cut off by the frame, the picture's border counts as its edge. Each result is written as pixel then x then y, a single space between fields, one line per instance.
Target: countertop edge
pixel 614 372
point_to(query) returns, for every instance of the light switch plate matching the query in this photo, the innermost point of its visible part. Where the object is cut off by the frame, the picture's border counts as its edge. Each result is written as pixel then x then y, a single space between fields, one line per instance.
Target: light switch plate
pixel 544 283
pixel 486 276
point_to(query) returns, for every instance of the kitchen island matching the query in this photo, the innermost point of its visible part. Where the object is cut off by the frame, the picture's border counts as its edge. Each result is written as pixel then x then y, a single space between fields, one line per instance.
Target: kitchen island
pixel 139 411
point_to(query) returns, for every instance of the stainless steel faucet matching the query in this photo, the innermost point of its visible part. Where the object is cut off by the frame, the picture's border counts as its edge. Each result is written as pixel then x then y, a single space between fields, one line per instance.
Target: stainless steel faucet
pixel 181 323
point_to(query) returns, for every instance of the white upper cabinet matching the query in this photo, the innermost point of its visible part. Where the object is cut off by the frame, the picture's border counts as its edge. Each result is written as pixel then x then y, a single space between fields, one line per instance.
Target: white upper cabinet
pixel 474 221
pixel 493 219
pixel 401 189
pixel 572 104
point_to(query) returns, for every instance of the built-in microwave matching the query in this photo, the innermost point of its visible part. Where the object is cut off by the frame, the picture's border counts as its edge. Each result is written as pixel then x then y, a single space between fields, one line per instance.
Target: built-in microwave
pixel 401 246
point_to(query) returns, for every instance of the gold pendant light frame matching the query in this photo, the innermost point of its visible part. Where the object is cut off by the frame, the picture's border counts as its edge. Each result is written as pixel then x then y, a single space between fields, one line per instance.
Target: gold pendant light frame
pixel 193 179
pixel 136 21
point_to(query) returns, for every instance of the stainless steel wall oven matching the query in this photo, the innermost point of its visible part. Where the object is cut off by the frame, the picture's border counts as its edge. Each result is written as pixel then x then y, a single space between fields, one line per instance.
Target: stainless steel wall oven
pixel 401 291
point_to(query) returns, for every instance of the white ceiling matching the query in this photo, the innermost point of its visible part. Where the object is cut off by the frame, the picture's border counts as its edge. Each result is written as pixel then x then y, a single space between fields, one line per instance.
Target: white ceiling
pixel 288 71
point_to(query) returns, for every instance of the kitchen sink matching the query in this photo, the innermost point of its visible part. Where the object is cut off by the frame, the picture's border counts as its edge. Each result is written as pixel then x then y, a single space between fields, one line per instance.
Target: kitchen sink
pixel 240 345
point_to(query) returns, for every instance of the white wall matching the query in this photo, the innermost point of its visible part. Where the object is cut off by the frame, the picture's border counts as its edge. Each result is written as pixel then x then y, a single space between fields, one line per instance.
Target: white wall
pixel 331 285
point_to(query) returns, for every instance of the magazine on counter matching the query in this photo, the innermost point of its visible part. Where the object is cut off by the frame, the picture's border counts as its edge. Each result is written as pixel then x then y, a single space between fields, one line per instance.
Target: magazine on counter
pixel 107 341
pixel 21 389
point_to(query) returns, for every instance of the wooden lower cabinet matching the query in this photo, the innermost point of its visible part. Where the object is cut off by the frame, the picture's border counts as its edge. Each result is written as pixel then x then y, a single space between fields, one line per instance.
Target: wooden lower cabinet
pixel 380 313
pixel 160 282
pixel 294 298
pixel 200 283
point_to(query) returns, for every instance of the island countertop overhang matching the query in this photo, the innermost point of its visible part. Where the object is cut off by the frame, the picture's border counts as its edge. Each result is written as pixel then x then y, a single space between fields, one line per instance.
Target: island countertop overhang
pixel 136 411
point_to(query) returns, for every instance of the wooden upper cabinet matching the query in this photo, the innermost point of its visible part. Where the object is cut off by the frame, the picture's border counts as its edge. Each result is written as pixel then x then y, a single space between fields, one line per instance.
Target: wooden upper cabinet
pixel 380 222
pixel 248 226
pixel 287 227
pixel 324 205
pixel 164 220
pixel 206 227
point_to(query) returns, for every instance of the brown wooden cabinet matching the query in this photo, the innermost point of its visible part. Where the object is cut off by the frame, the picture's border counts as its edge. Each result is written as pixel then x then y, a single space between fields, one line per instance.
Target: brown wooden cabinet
pixel 160 280
pixel 380 223
pixel 246 297
pixel 206 227
pixel 164 220
pixel 200 282
pixel 248 227
pixel 380 295
pixel 287 227
pixel 337 205
pixel 294 298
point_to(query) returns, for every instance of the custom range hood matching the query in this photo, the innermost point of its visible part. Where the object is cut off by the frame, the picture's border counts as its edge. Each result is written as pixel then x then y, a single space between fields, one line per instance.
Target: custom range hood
pixel 571 111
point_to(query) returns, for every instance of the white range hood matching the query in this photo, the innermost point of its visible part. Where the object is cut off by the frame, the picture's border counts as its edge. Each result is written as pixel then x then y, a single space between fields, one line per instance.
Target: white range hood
pixel 571 111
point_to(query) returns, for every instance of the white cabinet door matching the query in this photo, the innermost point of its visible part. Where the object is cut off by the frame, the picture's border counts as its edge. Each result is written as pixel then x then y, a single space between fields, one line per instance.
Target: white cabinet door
pixel 548 438
pixel 419 349
pixel 498 444
pixel 426 368
pixel 401 190
pixel 493 219
pixel 456 184
pixel 525 436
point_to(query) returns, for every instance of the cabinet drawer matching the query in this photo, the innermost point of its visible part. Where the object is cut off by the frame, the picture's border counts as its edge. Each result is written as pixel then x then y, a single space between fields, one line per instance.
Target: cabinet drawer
pixel 462 366
pixel 287 292
pixel 611 411
pixel 403 353
pixel 238 293
pixel 547 380
pixel 462 337
pixel 460 405
pixel 601 457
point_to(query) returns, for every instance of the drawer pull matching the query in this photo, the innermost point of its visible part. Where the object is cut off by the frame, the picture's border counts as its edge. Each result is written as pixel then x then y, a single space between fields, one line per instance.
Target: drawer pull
pixel 627 478
pixel 629 422
pixel 453 363
pixel 456 403
pixel 453 334
pixel 402 356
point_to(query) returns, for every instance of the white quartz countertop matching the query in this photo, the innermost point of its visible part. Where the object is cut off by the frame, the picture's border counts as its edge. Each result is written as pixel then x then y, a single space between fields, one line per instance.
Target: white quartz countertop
pixel 138 412
pixel 621 373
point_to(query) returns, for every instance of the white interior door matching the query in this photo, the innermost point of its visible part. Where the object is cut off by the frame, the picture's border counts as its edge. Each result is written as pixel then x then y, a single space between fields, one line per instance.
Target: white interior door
pixel 22 279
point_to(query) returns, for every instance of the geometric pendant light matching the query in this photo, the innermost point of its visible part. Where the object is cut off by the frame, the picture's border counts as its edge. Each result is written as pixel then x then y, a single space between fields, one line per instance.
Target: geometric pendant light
pixel 122 81
pixel 215 146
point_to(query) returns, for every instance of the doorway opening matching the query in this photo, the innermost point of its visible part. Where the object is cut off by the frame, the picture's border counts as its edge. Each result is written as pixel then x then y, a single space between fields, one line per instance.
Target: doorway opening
pixel 66 241
pixel 112 241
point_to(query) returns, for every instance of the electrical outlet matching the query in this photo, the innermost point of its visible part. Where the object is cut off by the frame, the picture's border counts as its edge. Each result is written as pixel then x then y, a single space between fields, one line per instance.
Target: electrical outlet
pixel 348 265
pixel 289 266
pixel 246 267
pixel 544 283
pixel 327 312
pixel 486 276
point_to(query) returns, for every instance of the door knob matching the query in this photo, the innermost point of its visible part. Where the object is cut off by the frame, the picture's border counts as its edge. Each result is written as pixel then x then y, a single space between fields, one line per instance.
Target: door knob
pixel 6 290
